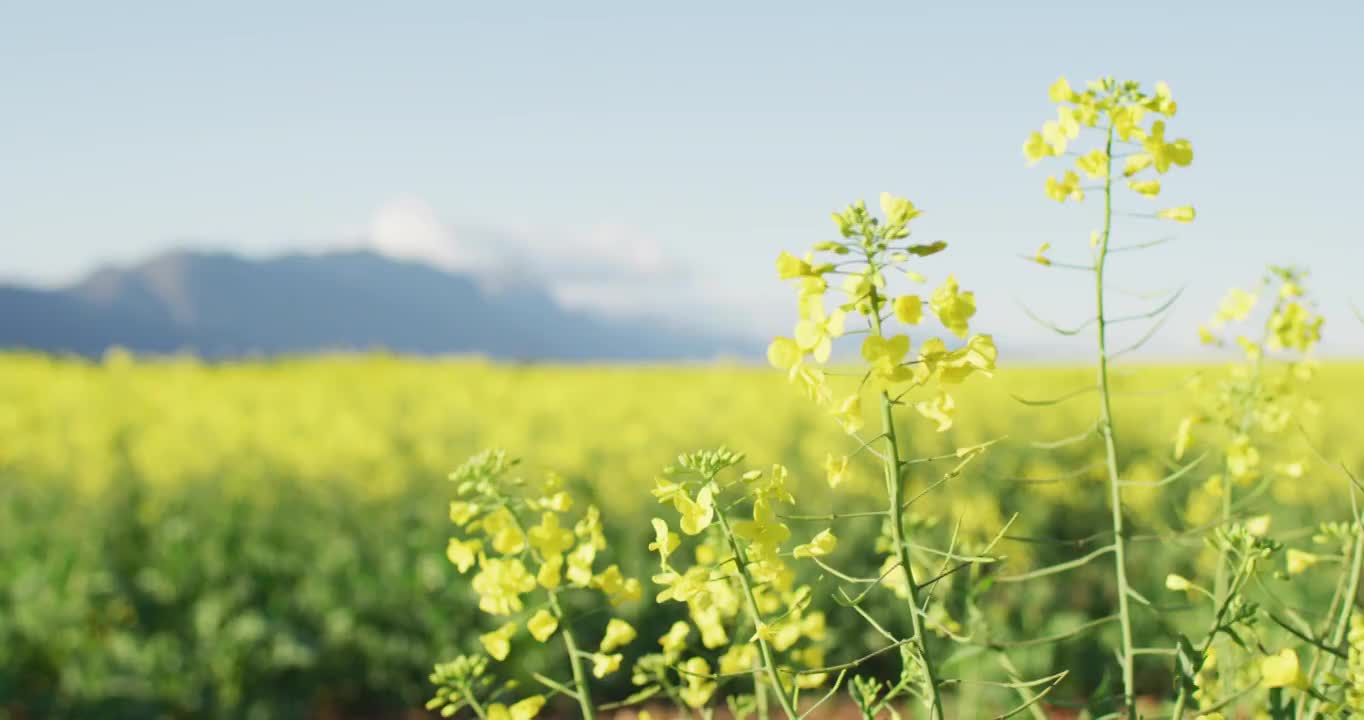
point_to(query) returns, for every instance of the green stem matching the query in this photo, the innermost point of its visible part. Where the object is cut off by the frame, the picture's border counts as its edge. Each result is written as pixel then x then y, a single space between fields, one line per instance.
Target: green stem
pixel 575 661
pixel 1342 628
pixel 751 603
pixel 1243 427
pixel 474 704
pixel 895 491
pixel 1111 446
pixel 1237 579
pixel 760 694
pixel 1220 586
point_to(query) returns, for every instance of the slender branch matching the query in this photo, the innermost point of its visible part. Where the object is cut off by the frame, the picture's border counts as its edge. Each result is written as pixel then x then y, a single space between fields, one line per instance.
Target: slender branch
pixel 894 490
pixel 751 603
pixel 575 661
pixel 1111 444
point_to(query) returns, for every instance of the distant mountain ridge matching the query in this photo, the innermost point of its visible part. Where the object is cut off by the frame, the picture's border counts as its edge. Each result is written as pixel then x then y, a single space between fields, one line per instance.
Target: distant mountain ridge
pixel 223 305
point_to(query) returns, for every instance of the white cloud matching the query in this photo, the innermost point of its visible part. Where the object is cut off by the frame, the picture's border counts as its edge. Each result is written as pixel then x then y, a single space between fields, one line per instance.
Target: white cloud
pixel 609 267
pixel 408 228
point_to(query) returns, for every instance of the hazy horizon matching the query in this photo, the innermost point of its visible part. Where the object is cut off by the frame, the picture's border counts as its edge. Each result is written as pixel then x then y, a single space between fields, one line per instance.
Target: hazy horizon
pixel 653 161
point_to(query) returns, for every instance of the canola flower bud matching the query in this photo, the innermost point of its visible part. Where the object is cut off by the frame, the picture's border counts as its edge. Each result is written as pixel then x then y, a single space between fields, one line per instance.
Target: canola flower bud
pixel 821 545
pixel 1177 583
pixel 1178 214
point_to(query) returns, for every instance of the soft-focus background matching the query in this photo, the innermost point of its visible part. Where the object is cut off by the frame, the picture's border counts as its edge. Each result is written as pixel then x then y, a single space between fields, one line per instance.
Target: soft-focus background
pixel 270 271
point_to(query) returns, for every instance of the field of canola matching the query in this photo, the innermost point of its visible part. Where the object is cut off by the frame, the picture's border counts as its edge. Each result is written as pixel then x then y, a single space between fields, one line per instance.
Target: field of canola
pixel 266 539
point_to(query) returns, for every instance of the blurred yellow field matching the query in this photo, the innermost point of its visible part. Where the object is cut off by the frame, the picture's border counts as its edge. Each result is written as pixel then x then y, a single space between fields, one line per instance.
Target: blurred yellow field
pixel 232 486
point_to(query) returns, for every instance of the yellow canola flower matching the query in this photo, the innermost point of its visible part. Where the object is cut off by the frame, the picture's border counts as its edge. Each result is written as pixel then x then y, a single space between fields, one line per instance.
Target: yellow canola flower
pixel 618 588
pixel 674 641
pixel 618 634
pixel 836 469
pixel 526 709
pixel 1243 460
pixel 1094 164
pixel 885 356
pixel 1054 137
pixel 1236 305
pixel 821 545
pixel 898 210
pixel 696 673
pixel 500 583
pixel 1069 122
pixel 462 512
pixel 790 267
pixel 550 572
pixel 498 642
pixel 1163 103
pixel 580 565
pixel 816 331
pixel 849 414
pixel 549 538
pixel 603 665
pixel 979 355
pixel 764 532
pixel 665 542
pixel 1299 561
pixel 772 485
pixel 786 354
pixel 738 658
pixel 1282 671
pixel 683 587
pixel 1035 148
pixel 1040 257
pixel 1294 326
pixel 1183 436
pixel 1163 154
pixel 542 625
pixel 589 528
pixel 1067 188
pixel 697 514
pixel 558 502
pixel 939 409
pixel 463 553
pixel 1126 121
pixel 1060 91
pixel 1178 583
pixel 1183 214
pixel 501 527
pixel 953 307
pixel 909 309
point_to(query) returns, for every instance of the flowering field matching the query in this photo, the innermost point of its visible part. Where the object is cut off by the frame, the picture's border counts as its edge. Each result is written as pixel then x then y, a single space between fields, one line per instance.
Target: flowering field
pixel 205 539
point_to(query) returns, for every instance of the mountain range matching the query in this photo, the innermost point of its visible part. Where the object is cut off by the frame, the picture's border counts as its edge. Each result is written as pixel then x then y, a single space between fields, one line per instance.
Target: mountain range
pixel 220 305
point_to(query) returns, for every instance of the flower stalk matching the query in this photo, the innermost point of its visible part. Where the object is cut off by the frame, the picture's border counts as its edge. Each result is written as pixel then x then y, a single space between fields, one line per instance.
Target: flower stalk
pixel 1106 425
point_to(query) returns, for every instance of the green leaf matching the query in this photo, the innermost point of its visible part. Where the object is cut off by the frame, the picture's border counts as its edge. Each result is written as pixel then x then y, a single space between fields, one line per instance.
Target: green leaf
pixel 929 249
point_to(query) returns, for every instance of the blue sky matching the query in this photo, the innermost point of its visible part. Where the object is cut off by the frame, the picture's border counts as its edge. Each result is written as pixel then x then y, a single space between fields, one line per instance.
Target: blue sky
pixel 651 157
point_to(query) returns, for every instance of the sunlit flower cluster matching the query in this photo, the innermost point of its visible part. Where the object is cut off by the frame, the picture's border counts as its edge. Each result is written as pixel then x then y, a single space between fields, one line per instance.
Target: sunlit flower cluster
pixel 738 588
pixel 513 560
pixel 868 252
pixel 1132 127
